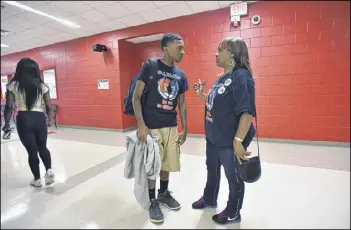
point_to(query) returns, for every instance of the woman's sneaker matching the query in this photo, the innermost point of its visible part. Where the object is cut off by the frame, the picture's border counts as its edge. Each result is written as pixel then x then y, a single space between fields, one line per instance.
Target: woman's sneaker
pixel 223 218
pixel 201 204
pixel 155 213
pixel 36 183
pixel 49 177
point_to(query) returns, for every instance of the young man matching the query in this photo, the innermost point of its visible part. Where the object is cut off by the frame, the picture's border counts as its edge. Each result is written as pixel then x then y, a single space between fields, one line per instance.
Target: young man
pixel 166 85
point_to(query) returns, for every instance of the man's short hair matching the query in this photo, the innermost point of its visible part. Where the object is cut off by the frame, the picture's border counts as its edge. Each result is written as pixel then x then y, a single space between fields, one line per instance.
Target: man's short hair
pixel 167 38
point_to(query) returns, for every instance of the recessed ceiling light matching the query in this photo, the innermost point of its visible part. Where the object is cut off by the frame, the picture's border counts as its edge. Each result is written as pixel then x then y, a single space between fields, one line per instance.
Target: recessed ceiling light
pixel 24 7
pixel 3 45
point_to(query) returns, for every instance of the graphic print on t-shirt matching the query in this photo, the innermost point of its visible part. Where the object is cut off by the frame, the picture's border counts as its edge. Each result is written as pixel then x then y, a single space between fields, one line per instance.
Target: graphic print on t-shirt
pixel 217 88
pixel 168 88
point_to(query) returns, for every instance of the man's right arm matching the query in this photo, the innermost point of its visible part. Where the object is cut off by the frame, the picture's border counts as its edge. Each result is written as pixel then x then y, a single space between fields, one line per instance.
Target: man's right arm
pixel 138 111
pixel 138 93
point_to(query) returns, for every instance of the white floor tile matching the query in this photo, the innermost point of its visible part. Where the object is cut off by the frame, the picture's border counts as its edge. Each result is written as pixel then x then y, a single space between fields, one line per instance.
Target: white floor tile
pixel 287 196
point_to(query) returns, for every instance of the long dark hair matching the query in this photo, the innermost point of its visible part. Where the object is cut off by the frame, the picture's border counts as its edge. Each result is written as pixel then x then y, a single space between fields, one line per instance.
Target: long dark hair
pixel 27 79
pixel 238 48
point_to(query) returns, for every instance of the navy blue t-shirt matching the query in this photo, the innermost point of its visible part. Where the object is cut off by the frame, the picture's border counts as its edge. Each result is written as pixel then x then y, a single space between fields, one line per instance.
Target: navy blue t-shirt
pixel 163 85
pixel 231 96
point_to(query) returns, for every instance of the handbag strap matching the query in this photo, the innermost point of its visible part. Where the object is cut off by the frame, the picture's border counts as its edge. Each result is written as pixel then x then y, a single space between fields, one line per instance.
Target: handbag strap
pixel 258 146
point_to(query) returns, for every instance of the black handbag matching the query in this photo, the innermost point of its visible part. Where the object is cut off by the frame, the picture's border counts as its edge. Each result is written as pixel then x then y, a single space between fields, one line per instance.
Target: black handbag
pixel 250 169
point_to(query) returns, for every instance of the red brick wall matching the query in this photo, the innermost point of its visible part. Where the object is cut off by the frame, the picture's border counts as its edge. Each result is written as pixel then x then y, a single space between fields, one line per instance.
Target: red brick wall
pixel 148 50
pixel 300 54
pixel 131 58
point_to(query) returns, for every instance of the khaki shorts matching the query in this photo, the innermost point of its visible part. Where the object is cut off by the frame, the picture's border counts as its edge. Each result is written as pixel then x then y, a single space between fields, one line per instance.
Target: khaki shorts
pixel 169 149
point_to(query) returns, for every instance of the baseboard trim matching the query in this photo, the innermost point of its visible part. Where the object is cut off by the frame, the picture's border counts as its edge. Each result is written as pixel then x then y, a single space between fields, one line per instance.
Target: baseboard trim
pixel 290 141
pixel 98 129
pixel 270 140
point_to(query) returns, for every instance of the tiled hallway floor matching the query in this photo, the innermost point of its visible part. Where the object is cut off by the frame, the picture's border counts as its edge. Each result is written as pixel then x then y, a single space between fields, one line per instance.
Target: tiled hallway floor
pixel 302 186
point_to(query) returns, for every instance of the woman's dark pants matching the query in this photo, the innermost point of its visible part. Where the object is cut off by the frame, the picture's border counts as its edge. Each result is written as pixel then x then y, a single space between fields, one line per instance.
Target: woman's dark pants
pixel 215 158
pixel 33 132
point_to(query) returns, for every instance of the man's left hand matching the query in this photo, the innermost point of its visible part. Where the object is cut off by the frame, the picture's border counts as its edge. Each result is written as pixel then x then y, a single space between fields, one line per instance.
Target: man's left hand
pixel 181 138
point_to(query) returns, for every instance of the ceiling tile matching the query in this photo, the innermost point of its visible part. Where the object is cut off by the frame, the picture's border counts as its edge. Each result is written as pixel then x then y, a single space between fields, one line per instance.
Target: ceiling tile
pixel 201 6
pixel 80 20
pixel 177 10
pixel 53 10
pixel 9 11
pixel 151 38
pixel 66 36
pixel 166 3
pixel 11 28
pixel 15 21
pixel 33 4
pixel 13 38
pixel 135 40
pixel 45 30
pixel 224 4
pixel 34 18
pixel 85 31
pixel 113 24
pixel 6 51
pixel 24 35
pixel 96 28
pixel 61 28
pixel 153 15
pixel 74 7
pixel 96 4
pixel 132 20
pixel 138 6
pixel 58 26
pixel 115 10
pixel 53 39
pixel 95 16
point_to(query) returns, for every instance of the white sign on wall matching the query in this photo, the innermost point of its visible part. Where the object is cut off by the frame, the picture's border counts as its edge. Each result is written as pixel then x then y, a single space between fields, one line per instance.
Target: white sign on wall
pixel 50 80
pixel 4 81
pixel 103 84
pixel 238 9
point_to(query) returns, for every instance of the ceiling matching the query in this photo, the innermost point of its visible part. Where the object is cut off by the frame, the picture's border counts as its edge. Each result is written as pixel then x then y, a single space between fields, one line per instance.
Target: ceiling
pixel 149 38
pixel 28 30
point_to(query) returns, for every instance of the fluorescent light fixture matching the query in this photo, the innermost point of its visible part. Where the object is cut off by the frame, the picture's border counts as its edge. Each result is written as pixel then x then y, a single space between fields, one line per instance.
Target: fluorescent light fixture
pixel 24 7
pixel 3 45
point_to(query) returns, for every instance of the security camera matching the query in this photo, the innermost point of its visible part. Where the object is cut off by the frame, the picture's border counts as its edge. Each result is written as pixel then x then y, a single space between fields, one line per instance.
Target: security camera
pixel 256 20
pixel 99 48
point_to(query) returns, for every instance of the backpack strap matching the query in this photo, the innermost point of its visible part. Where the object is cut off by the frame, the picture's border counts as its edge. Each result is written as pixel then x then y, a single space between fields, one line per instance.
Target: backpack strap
pixel 153 65
pixel 153 72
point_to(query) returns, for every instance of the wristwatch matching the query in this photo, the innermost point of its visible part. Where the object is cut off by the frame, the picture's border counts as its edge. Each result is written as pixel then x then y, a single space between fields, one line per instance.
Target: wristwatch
pixel 238 139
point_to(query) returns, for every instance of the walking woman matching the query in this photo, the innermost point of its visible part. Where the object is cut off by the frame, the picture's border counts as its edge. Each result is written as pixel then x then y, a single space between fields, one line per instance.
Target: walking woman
pixel 32 98
pixel 230 108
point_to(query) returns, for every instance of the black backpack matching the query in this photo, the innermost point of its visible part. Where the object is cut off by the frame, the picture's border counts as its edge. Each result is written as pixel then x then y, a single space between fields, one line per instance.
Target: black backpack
pixel 128 100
